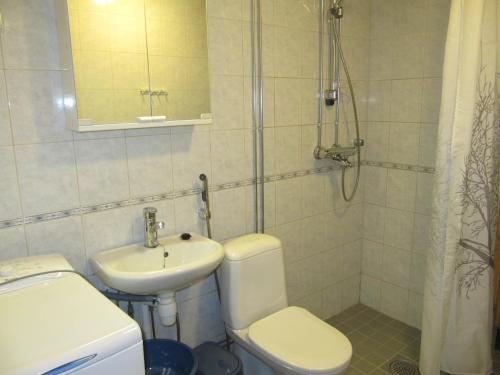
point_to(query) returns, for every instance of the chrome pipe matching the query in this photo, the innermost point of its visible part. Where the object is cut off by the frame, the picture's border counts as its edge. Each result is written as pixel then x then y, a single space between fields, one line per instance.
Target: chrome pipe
pixel 151 309
pixel 261 113
pixel 254 113
pixel 316 152
pixel 331 55
pixel 178 326
pixel 338 25
pixel 257 113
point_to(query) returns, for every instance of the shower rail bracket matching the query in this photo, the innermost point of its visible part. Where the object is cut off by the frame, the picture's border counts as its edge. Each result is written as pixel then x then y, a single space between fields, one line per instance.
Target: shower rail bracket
pixel 331 97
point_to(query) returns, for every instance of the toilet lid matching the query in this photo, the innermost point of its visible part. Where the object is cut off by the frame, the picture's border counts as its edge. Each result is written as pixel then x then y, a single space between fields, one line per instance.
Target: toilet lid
pixel 301 342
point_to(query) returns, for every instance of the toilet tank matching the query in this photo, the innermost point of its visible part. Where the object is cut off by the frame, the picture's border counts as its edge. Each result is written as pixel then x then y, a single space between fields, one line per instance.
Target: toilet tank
pixel 252 279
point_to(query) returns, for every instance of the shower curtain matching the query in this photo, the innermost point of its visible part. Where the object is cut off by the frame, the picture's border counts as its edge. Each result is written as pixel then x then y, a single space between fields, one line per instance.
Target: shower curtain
pixel 457 317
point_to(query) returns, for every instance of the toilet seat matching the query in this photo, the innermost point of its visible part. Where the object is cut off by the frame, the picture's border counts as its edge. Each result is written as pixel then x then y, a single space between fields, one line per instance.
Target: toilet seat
pixel 301 342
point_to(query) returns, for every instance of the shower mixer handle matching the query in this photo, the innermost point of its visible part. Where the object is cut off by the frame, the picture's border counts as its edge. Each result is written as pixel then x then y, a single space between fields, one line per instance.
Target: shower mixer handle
pixel 344 161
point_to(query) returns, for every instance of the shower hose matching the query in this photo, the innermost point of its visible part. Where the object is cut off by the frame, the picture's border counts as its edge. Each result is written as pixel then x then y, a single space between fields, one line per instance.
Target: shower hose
pixel 349 198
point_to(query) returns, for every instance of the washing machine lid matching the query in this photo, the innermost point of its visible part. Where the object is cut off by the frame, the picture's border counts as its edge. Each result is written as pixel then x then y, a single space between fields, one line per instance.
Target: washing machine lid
pixel 17 268
pixel 60 323
pixel 300 341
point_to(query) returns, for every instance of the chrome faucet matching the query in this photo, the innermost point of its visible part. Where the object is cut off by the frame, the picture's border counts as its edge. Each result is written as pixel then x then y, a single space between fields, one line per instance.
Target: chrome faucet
pixel 151 227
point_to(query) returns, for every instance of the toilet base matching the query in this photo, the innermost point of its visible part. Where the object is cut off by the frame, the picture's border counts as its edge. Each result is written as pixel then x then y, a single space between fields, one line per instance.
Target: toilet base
pixel 251 364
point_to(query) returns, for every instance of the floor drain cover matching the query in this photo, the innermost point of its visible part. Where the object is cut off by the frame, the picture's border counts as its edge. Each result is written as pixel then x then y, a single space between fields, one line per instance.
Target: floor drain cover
pixel 402 367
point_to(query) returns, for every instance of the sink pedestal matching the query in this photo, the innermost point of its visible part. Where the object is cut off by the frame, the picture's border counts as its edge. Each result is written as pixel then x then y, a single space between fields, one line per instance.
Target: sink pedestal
pixel 167 308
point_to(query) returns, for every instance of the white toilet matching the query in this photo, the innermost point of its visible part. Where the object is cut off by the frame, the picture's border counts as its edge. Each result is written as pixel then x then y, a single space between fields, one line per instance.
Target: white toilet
pixel 270 336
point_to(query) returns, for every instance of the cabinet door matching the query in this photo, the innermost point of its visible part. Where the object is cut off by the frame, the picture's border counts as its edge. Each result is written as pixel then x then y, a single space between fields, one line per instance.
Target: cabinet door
pixel 110 61
pixel 178 58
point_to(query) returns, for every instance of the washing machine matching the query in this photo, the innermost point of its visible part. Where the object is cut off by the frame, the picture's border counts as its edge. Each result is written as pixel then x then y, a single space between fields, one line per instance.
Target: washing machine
pixel 60 324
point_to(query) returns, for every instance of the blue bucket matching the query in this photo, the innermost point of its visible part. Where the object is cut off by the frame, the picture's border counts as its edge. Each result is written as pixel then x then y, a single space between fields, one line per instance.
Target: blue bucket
pixel 169 357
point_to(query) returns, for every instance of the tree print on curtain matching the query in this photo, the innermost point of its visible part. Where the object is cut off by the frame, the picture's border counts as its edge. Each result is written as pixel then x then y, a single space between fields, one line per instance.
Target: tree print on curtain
pixel 479 192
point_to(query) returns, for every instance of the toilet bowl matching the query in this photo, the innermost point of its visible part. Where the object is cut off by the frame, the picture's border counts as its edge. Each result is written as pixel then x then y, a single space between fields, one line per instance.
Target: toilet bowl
pixel 270 336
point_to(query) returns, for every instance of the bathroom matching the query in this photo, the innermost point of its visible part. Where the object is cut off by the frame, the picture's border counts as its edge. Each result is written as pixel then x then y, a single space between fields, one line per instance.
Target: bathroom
pixel 365 265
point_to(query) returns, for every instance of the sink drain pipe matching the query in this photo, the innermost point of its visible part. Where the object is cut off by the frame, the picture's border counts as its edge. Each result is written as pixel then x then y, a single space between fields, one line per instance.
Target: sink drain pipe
pixel 148 305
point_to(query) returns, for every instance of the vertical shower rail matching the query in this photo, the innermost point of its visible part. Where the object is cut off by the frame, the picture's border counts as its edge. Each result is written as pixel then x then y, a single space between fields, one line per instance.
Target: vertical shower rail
pixel 321 84
pixel 257 113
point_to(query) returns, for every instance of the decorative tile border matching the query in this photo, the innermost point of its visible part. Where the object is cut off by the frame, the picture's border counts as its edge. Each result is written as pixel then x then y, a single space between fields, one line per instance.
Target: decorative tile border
pixel 195 191
pixel 10 223
pixel 404 167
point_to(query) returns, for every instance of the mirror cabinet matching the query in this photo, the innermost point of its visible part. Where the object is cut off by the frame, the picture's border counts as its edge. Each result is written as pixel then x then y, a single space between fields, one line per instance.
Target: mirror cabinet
pixel 134 63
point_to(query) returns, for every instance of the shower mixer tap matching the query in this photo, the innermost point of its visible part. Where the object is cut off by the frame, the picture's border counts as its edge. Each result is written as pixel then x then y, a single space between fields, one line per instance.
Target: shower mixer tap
pixel 340 153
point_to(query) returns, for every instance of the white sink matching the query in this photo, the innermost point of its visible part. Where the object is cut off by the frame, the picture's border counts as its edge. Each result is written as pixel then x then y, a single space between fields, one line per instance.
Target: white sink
pixel 173 265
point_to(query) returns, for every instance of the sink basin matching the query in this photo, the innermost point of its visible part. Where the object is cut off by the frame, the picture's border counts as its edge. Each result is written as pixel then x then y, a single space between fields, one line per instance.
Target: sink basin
pixel 173 265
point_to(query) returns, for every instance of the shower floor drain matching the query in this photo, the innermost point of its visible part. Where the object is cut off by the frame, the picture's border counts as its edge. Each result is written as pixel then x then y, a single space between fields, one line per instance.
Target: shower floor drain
pixel 402 367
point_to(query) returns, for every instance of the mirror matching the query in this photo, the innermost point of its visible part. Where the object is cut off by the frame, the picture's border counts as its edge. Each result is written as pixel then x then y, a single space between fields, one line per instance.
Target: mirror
pixel 138 63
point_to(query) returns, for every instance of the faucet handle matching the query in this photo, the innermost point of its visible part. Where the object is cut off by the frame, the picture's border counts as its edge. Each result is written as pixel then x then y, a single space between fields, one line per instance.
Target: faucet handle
pixel 158 225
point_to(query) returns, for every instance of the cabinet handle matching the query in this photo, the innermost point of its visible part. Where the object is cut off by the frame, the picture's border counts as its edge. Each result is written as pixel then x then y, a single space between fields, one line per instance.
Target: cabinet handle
pixel 153 92
pixel 151 118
